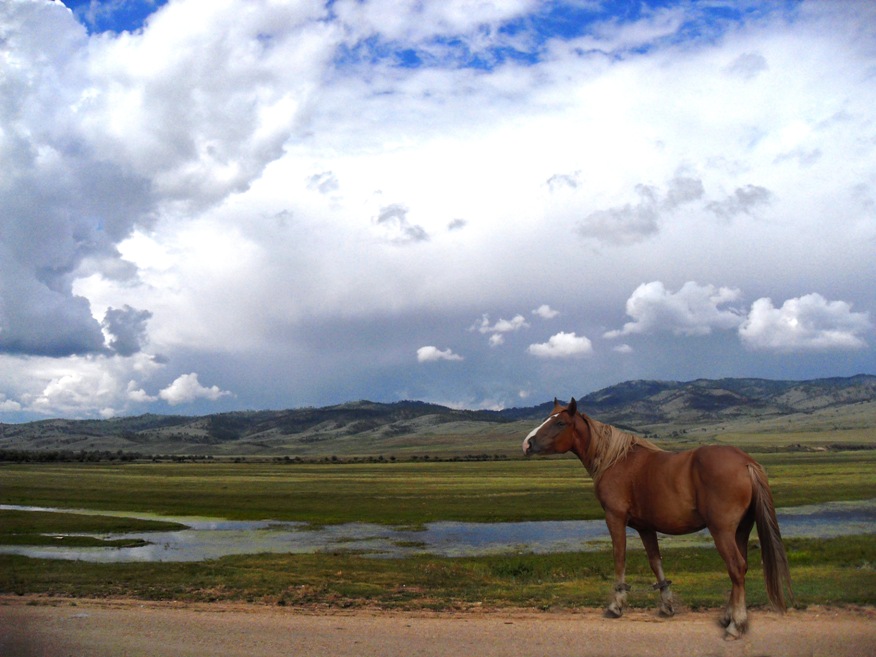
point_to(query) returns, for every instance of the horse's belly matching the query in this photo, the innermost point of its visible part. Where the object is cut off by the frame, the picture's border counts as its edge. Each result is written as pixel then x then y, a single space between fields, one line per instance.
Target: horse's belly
pixel 673 525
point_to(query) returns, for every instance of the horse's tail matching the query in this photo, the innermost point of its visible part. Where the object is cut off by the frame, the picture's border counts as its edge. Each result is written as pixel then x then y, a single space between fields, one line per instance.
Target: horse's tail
pixel 776 573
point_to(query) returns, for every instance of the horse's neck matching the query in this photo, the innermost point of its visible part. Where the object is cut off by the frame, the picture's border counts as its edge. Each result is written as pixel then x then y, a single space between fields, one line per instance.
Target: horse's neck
pixel 606 447
pixel 587 448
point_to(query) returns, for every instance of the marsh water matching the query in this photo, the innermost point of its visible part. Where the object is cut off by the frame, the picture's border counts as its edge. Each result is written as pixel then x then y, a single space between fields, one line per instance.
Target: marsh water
pixel 211 538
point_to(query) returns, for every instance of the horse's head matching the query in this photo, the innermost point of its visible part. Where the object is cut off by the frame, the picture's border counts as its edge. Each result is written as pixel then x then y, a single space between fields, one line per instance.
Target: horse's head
pixel 556 435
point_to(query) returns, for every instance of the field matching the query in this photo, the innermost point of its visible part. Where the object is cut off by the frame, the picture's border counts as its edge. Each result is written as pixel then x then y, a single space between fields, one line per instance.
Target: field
pixel 836 571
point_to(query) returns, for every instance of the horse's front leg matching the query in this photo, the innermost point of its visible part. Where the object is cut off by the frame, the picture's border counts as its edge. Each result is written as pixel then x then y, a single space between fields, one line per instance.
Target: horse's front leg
pixel 652 548
pixel 617 527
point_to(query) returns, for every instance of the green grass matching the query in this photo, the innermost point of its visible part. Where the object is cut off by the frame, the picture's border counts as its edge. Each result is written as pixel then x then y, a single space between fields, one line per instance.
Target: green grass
pixel 393 493
pixel 48 528
pixel 836 571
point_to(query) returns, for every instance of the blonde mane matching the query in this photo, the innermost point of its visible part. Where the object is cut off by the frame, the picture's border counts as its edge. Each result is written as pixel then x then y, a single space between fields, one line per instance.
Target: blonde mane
pixel 609 445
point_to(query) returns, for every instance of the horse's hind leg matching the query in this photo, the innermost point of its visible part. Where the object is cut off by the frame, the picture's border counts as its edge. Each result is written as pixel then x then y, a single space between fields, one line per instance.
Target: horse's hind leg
pixel 736 616
pixel 618 530
pixel 652 548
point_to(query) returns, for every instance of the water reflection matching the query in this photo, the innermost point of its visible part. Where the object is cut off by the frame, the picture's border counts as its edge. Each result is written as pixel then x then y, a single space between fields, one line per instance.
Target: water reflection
pixel 210 538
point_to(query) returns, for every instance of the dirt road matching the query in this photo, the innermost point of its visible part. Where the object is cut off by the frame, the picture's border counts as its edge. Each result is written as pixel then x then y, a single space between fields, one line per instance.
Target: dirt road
pixel 49 627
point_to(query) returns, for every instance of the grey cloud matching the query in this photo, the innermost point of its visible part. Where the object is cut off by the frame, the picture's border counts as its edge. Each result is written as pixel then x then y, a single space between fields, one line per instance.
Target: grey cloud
pixel 748 65
pixel 457 224
pixel 622 225
pixel 741 201
pixel 325 182
pixel 804 158
pixel 38 321
pixel 394 220
pixel 127 326
pixel 683 190
pixel 633 223
pixel 59 217
pixel 563 181
pixel 61 205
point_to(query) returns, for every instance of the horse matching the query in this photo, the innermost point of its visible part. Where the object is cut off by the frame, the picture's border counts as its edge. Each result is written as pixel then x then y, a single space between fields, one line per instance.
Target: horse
pixel 641 486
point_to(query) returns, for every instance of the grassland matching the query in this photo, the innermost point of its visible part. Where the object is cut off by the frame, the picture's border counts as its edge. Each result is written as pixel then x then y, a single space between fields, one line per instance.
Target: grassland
pixel 836 571
pixel 408 494
pixel 404 493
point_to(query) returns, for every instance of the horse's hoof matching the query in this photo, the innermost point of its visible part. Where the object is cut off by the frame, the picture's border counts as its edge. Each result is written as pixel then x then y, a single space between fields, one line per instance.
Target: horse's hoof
pixel 667 611
pixel 732 632
pixel 613 612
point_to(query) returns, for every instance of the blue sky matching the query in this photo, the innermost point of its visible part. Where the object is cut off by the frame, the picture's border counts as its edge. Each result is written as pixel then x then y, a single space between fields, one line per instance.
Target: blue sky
pixel 216 205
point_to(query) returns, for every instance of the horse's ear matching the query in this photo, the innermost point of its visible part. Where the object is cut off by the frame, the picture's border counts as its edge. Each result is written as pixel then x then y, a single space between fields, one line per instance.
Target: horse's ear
pixel 573 407
pixel 556 402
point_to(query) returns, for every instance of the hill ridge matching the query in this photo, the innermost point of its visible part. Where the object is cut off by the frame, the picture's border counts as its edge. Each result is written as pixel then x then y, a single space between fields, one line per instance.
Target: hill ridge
pixel 366 427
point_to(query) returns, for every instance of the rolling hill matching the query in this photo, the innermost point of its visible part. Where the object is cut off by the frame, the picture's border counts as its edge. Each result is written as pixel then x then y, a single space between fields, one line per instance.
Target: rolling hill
pixel 826 411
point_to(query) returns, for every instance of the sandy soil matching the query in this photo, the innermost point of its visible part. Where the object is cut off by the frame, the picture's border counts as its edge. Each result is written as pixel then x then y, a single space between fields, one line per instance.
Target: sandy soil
pixel 49 627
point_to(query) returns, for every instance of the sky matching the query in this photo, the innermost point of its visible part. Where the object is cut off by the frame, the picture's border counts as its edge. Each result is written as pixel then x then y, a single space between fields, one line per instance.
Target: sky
pixel 217 205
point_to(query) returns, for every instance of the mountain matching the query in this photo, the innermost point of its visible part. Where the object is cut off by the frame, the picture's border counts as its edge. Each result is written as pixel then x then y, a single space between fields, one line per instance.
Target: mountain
pixel 665 409
pixel 704 400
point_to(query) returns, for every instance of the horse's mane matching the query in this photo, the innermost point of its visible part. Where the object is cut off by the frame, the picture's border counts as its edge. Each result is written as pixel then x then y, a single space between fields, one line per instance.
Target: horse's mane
pixel 609 445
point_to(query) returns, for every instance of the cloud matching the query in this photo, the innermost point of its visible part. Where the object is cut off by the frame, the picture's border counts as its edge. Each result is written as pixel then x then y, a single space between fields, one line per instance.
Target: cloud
pixel 187 388
pixel 748 65
pixel 242 102
pixel 94 140
pixel 325 182
pixel 36 320
pixel 446 33
pixel 635 222
pixel 807 323
pixel 693 310
pixel 138 395
pixel 393 219
pixel 562 345
pixel 742 201
pixel 61 203
pixel 564 181
pixel 126 328
pixel 545 312
pixel 503 325
pixel 624 224
pixel 682 190
pixel 432 354
pixel 8 405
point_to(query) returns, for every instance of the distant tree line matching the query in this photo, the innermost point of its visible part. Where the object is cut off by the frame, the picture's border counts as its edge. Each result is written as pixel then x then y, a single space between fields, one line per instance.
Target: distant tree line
pixel 119 456
pixel 67 456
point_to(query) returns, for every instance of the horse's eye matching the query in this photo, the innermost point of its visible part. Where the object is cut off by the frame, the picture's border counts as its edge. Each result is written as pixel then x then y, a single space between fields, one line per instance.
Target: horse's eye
pixel 560 424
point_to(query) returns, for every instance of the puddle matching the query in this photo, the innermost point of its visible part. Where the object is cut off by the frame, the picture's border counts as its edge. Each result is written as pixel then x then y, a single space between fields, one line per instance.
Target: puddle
pixel 212 538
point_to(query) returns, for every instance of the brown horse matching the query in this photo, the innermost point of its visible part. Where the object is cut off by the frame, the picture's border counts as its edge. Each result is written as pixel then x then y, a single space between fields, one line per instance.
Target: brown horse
pixel 641 486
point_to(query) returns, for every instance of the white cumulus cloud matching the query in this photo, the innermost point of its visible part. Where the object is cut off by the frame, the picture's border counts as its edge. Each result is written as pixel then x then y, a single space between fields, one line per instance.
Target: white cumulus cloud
pixel 545 311
pixel 503 325
pixel 693 310
pixel 807 323
pixel 187 388
pixel 562 345
pixel 431 354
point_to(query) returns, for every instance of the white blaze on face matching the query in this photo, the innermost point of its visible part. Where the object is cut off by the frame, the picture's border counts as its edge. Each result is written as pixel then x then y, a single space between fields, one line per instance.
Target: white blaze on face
pixel 535 431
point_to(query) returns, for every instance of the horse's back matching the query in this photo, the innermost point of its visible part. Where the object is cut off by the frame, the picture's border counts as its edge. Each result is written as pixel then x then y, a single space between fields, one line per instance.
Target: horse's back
pixel 721 461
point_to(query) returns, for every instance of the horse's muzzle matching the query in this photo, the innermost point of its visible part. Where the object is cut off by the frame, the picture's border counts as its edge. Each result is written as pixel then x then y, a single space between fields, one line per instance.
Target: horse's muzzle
pixel 527 447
